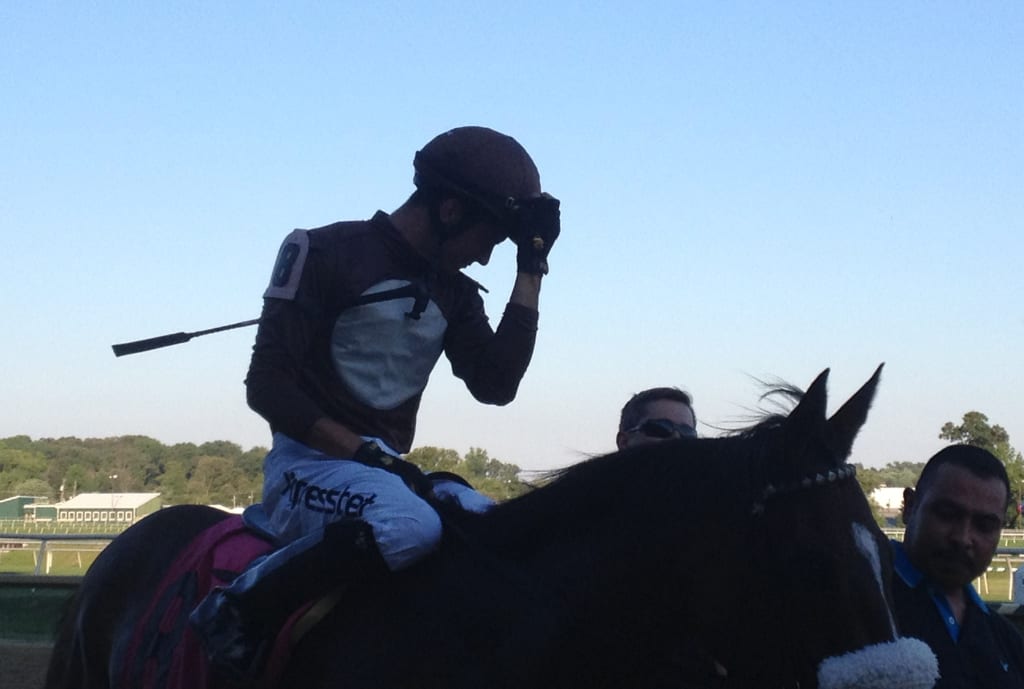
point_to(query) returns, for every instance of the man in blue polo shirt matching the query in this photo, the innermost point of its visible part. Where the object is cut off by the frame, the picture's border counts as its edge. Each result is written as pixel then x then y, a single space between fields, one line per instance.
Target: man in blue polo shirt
pixel 954 519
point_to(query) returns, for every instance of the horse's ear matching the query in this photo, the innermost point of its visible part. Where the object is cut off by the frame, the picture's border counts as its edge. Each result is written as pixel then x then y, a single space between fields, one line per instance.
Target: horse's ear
pixel 846 422
pixel 810 412
pixel 804 424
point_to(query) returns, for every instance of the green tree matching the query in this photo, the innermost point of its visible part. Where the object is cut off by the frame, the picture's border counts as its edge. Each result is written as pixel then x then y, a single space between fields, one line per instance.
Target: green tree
pixel 869 479
pixel 892 475
pixel 491 477
pixel 36 487
pixel 132 463
pixel 216 480
pixel 901 474
pixel 251 463
pixel 18 466
pixel 75 481
pixel 16 442
pixel 976 430
pixel 430 459
pixel 221 448
pixel 216 471
pixel 173 483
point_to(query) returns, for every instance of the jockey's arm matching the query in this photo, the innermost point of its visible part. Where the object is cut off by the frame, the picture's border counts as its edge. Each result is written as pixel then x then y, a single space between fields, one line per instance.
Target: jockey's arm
pixel 526 291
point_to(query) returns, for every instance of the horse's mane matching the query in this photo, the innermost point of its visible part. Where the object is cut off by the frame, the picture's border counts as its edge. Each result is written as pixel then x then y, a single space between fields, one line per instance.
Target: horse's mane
pixel 676 470
pixel 634 479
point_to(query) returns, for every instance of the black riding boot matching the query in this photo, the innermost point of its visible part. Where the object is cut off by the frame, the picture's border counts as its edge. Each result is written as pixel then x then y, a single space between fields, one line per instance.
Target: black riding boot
pixel 237 624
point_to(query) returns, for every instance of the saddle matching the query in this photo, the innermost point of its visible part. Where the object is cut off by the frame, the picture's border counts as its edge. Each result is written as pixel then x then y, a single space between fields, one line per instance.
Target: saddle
pixel 164 652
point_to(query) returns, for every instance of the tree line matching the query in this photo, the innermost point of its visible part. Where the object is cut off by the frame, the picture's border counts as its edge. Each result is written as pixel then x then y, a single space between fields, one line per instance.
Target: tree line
pixel 216 472
pixel 974 429
pixel 221 472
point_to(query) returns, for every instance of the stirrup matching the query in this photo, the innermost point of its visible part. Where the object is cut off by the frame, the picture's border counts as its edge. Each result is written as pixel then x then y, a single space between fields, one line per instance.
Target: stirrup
pixel 235 648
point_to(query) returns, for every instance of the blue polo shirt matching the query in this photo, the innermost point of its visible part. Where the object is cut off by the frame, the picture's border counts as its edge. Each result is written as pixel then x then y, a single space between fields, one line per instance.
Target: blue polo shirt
pixel 913 577
pixel 983 651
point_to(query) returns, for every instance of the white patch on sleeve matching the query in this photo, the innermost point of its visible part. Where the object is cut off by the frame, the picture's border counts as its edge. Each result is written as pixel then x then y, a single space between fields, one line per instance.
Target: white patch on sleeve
pixel 291 258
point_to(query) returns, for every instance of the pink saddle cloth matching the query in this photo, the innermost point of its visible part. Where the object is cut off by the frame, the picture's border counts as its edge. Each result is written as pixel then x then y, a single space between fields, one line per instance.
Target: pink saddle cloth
pixel 164 651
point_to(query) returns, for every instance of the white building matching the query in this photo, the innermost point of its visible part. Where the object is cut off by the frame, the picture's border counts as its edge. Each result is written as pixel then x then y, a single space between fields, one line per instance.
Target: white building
pixel 104 508
pixel 888 498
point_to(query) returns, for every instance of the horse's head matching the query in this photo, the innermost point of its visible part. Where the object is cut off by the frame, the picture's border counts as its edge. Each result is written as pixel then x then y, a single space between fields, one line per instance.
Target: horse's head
pixel 817 595
pixel 757 549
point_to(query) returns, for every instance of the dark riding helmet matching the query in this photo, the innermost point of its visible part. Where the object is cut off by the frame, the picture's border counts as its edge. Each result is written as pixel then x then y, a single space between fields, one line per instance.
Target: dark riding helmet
pixel 486 167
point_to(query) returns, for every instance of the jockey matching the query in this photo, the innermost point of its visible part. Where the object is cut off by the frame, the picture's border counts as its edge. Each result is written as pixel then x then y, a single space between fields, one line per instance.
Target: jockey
pixel 354 319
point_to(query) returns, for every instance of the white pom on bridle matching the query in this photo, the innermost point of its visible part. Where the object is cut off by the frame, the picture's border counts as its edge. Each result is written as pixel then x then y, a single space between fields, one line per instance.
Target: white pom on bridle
pixel 905 663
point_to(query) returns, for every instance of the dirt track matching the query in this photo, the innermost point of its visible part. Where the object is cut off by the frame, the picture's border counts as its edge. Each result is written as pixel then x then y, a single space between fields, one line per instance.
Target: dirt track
pixel 23 665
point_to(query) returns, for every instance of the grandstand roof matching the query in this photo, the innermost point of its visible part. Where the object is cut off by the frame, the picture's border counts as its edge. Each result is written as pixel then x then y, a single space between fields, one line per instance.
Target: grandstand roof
pixel 107 501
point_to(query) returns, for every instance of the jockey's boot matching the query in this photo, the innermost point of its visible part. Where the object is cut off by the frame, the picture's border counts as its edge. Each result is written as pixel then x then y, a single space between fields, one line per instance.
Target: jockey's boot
pixel 237 624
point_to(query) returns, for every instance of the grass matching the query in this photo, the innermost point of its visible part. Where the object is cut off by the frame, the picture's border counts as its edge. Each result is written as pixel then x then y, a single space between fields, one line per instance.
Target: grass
pixel 65 562
pixel 994 586
pixel 20 554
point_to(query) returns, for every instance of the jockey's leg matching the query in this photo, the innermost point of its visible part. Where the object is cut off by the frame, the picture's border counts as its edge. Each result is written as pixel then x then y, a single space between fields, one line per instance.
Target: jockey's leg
pixel 237 624
pixel 341 521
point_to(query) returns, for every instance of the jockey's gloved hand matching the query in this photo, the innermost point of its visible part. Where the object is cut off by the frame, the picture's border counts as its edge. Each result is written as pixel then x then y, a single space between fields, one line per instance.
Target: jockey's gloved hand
pixel 371 454
pixel 538 224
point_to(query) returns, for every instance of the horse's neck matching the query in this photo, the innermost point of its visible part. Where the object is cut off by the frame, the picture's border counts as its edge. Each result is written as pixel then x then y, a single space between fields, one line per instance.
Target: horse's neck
pixel 599 556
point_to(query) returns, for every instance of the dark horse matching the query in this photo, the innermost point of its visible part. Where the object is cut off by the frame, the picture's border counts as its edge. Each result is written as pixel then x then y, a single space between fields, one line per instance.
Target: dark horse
pixel 759 548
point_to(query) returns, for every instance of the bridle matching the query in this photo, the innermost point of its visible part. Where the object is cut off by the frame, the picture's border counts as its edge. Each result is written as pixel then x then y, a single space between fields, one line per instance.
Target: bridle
pixel 774 490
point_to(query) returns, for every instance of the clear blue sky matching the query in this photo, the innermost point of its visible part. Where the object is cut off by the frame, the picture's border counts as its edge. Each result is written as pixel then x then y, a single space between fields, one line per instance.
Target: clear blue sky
pixel 749 190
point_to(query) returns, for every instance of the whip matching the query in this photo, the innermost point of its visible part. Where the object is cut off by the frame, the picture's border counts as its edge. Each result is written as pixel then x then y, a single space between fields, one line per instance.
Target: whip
pixel 172 339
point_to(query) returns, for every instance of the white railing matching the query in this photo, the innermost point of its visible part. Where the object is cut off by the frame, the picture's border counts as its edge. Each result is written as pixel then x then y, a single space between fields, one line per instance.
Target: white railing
pixel 43 546
pixel 1009 556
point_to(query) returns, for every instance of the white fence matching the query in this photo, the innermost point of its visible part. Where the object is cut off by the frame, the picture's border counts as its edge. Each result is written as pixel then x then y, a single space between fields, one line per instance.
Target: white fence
pixel 1008 560
pixel 43 546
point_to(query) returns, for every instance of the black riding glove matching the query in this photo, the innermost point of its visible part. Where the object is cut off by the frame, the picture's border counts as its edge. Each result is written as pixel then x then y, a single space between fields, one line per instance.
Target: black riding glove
pixel 371 454
pixel 538 224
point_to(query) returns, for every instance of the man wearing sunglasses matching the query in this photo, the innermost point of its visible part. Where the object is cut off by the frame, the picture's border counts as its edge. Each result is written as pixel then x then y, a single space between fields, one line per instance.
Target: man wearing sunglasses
pixel 654 415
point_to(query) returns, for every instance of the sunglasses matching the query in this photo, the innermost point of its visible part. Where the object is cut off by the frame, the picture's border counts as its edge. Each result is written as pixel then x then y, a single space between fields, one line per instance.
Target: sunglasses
pixel 663 428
